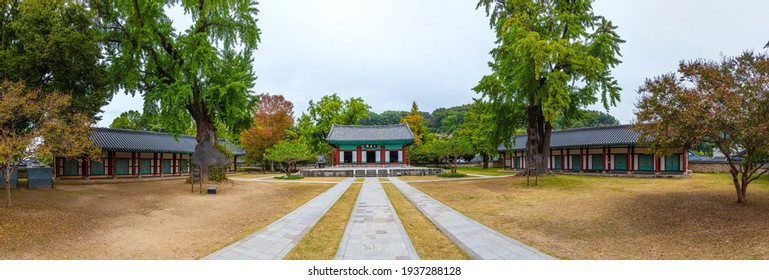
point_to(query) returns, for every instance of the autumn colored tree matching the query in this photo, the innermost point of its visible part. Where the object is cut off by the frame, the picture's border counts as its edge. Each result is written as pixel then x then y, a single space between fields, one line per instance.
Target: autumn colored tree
pixel 724 103
pixel 36 123
pixel 551 59
pixel 316 123
pixel 416 123
pixel 272 120
pixel 289 153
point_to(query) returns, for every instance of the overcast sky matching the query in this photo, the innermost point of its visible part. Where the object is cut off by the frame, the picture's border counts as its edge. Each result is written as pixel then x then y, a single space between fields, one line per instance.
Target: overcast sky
pixel 394 52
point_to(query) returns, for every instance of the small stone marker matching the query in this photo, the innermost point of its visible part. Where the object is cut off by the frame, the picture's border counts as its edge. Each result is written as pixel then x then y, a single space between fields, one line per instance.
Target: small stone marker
pixel 211 189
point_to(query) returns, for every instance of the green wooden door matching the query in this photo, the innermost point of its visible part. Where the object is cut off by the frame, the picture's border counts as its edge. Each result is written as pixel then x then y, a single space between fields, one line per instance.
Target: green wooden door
pixel 185 163
pixel 145 166
pixel 97 168
pixel 70 167
pixel 166 166
pixel 620 162
pixel 518 162
pixel 556 162
pixel 673 162
pixel 597 162
pixel 646 162
pixel 121 166
pixel 575 163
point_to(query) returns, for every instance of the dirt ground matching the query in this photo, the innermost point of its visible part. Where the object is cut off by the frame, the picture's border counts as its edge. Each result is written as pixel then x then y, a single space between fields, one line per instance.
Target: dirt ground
pixel 145 220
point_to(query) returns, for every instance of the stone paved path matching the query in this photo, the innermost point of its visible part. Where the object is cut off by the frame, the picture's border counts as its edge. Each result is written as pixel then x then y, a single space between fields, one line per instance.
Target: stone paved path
pixel 277 239
pixel 477 240
pixel 374 231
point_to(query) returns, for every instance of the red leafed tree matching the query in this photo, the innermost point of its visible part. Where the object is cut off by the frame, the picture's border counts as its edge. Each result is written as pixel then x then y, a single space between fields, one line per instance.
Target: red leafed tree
pixel 724 103
pixel 272 119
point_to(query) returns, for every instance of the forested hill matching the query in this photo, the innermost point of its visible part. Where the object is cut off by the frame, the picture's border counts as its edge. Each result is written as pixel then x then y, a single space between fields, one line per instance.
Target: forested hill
pixel 447 120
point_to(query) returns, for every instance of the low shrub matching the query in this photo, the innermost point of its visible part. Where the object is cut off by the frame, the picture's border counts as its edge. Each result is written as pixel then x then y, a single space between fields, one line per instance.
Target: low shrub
pixel 289 177
pixel 452 175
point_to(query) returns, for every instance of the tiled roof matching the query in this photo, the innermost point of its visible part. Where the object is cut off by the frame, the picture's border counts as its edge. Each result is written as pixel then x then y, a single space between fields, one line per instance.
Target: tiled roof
pixel 122 140
pixel 613 135
pixel 370 133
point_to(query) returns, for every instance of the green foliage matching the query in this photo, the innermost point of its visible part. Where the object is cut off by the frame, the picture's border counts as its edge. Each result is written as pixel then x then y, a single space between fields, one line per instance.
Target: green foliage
pixel 551 59
pixel 448 120
pixel 480 130
pixel 452 175
pixel 451 149
pixel 586 118
pixel 385 118
pixel 316 123
pixel 202 73
pixel 289 154
pixel 55 46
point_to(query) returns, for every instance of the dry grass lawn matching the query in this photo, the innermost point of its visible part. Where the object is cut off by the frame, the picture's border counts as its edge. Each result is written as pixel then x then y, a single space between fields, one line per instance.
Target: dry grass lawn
pixel 429 242
pixel 322 242
pixel 586 217
pixel 143 220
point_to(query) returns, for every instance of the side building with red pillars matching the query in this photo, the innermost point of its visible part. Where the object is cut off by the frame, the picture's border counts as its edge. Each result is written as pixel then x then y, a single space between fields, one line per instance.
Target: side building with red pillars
pixel 603 149
pixel 370 145
pixel 137 154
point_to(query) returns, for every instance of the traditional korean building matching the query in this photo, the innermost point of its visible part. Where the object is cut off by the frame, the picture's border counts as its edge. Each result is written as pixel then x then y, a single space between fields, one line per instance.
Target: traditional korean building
pixel 605 149
pixel 370 145
pixel 131 153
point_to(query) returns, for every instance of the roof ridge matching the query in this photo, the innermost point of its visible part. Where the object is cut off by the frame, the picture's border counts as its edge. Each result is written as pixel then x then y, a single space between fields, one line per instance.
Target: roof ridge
pixel 140 131
pixel 366 125
pixel 595 127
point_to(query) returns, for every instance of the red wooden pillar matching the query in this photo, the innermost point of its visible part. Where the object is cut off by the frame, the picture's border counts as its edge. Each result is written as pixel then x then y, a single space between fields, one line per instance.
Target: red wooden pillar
pixel 382 155
pixel 581 160
pixel 603 155
pixel 360 155
pixel 113 165
pixel 160 166
pixel 132 164
pixel 686 160
pixel 85 170
pixel 173 164
pixel 608 158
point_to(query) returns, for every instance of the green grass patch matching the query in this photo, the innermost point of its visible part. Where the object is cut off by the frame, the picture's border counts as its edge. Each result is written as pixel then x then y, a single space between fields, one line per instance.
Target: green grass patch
pixel 482 171
pixel 452 175
pixel 289 177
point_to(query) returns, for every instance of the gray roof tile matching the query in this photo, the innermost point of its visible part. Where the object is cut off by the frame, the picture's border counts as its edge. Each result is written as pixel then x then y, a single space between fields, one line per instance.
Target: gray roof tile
pixel 123 140
pixel 370 133
pixel 613 135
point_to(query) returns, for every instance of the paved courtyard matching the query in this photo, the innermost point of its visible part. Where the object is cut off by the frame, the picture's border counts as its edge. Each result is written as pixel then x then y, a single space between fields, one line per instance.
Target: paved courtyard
pixel 374 231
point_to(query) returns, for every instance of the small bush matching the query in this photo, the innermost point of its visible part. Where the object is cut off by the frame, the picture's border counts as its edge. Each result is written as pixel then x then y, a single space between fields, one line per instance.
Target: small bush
pixel 290 177
pixel 452 175
pixel 446 166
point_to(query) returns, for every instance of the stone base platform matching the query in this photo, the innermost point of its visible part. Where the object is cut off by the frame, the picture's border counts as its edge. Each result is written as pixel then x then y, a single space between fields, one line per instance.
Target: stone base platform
pixel 370 171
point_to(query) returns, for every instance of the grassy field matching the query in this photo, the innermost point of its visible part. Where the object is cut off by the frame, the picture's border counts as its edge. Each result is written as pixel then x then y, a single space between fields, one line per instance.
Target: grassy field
pixel 586 217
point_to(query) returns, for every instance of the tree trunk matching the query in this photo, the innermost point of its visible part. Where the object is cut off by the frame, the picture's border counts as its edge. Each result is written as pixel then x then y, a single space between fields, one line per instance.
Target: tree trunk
pixel 538 141
pixel 485 160
pixel 7 174
pixel 738 187
pixel 205 128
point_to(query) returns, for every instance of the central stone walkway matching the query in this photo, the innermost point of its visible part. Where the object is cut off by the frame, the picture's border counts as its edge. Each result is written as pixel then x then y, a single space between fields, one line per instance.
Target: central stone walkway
pixel 477 240
pixel 374 231
pixel 277 239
